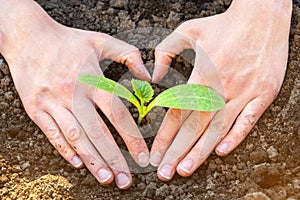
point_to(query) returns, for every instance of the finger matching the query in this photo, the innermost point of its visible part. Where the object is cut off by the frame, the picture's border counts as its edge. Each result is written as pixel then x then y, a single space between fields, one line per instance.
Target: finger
pixel 56 138
pixel 190 131
pixel 243 125
pixel 124 53
pixel 214 133
pixel 103 141
pixel 166 133
pixel 166 51
pixel 83 146
pixel 122 120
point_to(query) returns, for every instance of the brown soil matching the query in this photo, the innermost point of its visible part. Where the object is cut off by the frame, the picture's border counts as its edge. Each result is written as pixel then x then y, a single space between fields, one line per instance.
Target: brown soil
pixel 265 165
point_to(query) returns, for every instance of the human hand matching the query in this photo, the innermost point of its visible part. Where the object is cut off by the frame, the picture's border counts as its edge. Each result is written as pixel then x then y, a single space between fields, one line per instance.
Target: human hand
pixel 242 54
pixel 45 59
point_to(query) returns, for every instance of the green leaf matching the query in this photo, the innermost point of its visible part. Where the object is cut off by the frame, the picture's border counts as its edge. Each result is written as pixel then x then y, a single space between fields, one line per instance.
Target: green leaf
pixel 109 86
pixel 143 90
pixel 189 97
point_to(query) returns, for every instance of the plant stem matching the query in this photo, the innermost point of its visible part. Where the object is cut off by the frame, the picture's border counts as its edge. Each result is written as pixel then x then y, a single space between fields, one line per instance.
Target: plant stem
pixel 140 119
pixel 142 112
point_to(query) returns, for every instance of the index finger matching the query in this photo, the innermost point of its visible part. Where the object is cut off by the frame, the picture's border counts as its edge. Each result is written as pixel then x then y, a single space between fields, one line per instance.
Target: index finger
pixel 166 51
pixel 124 53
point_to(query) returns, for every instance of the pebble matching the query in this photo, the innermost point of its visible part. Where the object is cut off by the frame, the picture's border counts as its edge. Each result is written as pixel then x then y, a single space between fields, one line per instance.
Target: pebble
pixel 162 191
pixel 9 95
pixel 272 152
pixel 173 19
pixel 296 184
pixel 258 156
pixel 150 190
pixel 256 196
pixel 25 165
pixel 6 81
pixel 121 4
pixel 141 186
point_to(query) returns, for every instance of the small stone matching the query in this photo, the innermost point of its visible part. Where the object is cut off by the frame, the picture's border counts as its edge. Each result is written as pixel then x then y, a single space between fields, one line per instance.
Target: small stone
pixel 296 183
pixel 3 180
pixel 272 152
pixel 127 25
pixel 121 4
pixel 111 11
pixel 173 19
pixel 256 196
pixel 83 172
pixel 258 156
pixel 100 5
pixel 141 186
pixel 9 95
pixel 25 165
pixel 254 134
pixel 150 190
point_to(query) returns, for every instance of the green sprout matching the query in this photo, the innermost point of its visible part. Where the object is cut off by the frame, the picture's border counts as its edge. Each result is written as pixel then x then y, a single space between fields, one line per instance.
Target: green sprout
pixel 187 96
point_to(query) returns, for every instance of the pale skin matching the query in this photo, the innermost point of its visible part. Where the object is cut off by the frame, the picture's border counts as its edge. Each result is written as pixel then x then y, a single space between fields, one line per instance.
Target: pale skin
pixel 45 58
pixel 242 54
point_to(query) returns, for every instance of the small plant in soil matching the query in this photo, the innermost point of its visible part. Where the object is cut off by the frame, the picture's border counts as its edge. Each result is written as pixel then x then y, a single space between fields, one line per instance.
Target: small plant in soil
pixel 187 96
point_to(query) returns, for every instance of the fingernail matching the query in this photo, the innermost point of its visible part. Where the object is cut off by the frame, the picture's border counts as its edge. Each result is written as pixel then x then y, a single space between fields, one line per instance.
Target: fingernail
pixel 143 159
pixel 166 171
pixel 155 158
pixel 76 161
pixel 122 180
pixel 186 165
pixel 104 175
pixel 223 147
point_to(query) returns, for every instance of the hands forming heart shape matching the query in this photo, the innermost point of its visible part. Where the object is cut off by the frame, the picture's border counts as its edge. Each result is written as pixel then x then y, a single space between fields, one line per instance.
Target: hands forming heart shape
pixel 242 54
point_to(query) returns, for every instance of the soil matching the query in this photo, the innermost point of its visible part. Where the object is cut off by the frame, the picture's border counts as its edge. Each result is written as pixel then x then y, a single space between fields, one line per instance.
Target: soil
pixel 265 166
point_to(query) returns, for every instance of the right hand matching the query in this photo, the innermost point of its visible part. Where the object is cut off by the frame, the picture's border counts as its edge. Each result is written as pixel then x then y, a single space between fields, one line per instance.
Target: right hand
pixel 242 54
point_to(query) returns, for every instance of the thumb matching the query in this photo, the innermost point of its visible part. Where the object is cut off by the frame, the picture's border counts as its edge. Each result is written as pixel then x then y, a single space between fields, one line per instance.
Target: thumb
pixel 124 53
pixel 164 53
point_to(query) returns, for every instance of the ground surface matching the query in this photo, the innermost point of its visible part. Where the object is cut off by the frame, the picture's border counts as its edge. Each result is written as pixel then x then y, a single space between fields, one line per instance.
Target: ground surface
pixel 266 164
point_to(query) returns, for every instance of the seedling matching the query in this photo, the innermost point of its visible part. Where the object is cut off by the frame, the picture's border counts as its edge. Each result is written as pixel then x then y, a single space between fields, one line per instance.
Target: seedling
pixel 187 96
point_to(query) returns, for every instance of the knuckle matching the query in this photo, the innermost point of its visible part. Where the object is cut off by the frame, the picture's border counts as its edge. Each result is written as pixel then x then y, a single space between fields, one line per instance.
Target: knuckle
pixel 100 136
pixel 161 142
pixel 64 150
pixel 218 126
pixel 175 114
pixel 52 134
pixel 73 134
pixel 129 57
pixel 67 88
pixel 188 27
pixel 249 119
pixel 192 124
